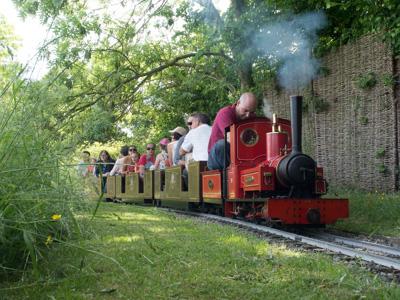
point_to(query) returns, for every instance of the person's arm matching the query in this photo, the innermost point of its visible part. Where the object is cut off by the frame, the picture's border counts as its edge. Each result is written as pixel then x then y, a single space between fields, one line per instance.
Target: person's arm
pixel 125 163
pixel 157 163
pixel 114 169
pixel 141 163
pixel 169 151
pixel 182 151
pixel 187 145
pixel 141 170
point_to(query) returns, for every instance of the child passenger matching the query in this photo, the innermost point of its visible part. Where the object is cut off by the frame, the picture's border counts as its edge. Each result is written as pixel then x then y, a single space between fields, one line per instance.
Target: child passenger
pixel 162 158
pixel 133 166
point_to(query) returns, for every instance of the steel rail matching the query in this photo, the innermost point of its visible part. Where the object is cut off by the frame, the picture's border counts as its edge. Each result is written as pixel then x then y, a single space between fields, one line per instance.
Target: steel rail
pixel 359 244
pixel 337 248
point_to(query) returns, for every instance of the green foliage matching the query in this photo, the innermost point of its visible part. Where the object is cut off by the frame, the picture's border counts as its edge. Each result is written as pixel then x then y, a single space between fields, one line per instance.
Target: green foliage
pixel 366 81
pixel 382 169
pixel 380 153
pixel 315 104
pixel 372 213
pixel 36 193
pixel 363 120
pixel 388 80
pixel 351 19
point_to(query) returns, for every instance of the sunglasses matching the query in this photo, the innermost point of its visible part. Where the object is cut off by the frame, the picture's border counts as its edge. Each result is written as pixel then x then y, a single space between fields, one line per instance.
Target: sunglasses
pixel 132 149
pixel 189 123
pixel 150 148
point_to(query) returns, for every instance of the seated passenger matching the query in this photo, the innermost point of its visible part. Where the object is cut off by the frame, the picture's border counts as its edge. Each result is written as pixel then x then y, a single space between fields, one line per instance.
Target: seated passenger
pixel 196 141
pixel 92 167
pixel 179 160
pixel 177 133
pixel 162 158
pixel 147 160
pixel 194 146
pixel 105 165
pixel 133 167
pixel 243 109
pixel 83 165
pixel 122 163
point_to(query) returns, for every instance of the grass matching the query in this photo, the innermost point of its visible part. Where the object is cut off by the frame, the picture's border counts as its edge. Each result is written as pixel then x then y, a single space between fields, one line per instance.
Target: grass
pixel 136 252
pixel 371 213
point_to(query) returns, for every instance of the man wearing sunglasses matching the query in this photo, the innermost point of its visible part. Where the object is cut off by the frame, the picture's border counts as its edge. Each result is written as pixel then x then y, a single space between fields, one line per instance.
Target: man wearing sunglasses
pixel 196 140
pixel 243 109
pixel 147 160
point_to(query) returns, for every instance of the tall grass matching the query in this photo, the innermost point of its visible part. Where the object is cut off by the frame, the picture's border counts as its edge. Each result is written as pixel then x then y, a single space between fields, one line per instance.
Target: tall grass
pixel 38 193
pixel 371 213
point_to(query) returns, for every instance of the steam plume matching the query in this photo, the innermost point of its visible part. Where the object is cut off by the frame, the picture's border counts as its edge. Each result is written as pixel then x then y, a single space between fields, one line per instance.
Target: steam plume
pixel 290 43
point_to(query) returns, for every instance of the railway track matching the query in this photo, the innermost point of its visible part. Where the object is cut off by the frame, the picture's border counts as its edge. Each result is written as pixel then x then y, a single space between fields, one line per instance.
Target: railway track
pixel 373 253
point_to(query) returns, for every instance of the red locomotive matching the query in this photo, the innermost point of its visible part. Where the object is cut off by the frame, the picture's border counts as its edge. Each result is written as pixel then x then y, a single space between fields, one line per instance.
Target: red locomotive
pixel 268 179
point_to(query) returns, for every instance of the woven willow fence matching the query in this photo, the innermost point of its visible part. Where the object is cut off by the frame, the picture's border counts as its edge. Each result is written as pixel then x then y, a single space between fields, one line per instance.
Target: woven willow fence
pixel 351 120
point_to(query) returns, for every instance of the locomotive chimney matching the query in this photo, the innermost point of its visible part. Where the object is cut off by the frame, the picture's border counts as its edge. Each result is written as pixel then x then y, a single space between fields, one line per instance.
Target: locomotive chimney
pixel 295 112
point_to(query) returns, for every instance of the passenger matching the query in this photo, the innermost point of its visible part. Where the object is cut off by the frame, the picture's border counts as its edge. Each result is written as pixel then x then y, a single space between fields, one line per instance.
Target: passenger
pixel 162 158
pixel 196 141
pixel 105 165
pixel 177 133
pixel 132 149
pixel 83 165
pixel 134 166
pixel 243 109
pixel 147 160
pixel 178 159
pixel 195 144
pixel 122 163
pixel 92 167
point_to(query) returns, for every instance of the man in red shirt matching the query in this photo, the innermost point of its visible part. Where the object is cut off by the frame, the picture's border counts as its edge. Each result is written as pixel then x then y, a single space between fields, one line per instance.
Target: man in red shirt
pixel 243 109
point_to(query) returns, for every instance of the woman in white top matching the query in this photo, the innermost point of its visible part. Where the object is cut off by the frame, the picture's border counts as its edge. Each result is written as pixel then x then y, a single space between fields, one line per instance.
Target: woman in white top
pixel 122 163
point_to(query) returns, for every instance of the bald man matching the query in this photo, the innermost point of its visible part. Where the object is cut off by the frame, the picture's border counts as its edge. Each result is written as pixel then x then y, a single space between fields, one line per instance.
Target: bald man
pixel 243 109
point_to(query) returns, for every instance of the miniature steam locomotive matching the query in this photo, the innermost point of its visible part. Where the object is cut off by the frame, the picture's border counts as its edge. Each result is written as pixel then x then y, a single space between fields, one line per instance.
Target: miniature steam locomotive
pixel 269 179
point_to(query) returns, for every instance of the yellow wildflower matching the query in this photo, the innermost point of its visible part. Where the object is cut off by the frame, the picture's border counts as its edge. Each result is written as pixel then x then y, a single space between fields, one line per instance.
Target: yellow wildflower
pixel 49 240
pixel 55 217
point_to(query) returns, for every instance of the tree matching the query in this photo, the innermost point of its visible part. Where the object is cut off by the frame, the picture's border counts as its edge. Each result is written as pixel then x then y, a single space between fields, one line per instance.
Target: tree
pixel 201 59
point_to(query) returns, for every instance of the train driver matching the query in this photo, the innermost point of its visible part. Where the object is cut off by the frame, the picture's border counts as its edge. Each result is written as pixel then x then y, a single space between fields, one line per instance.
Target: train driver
pixel 243 109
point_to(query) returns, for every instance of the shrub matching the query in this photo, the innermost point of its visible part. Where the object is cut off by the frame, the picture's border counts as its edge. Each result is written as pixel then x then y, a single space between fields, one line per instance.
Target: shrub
pixel 366 81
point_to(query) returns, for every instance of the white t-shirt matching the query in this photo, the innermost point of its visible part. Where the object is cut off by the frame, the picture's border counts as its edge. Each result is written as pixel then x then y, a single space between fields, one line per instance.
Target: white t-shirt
pixel 196 141
pixel 118 167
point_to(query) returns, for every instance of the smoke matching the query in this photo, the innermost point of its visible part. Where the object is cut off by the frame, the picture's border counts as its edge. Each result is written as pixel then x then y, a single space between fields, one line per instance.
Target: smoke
pixel 267 109
pixel 290 44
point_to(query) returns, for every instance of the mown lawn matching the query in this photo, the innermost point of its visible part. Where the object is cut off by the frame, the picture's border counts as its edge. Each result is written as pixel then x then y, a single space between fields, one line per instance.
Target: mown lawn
pixel 137 252
pixel 371 213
